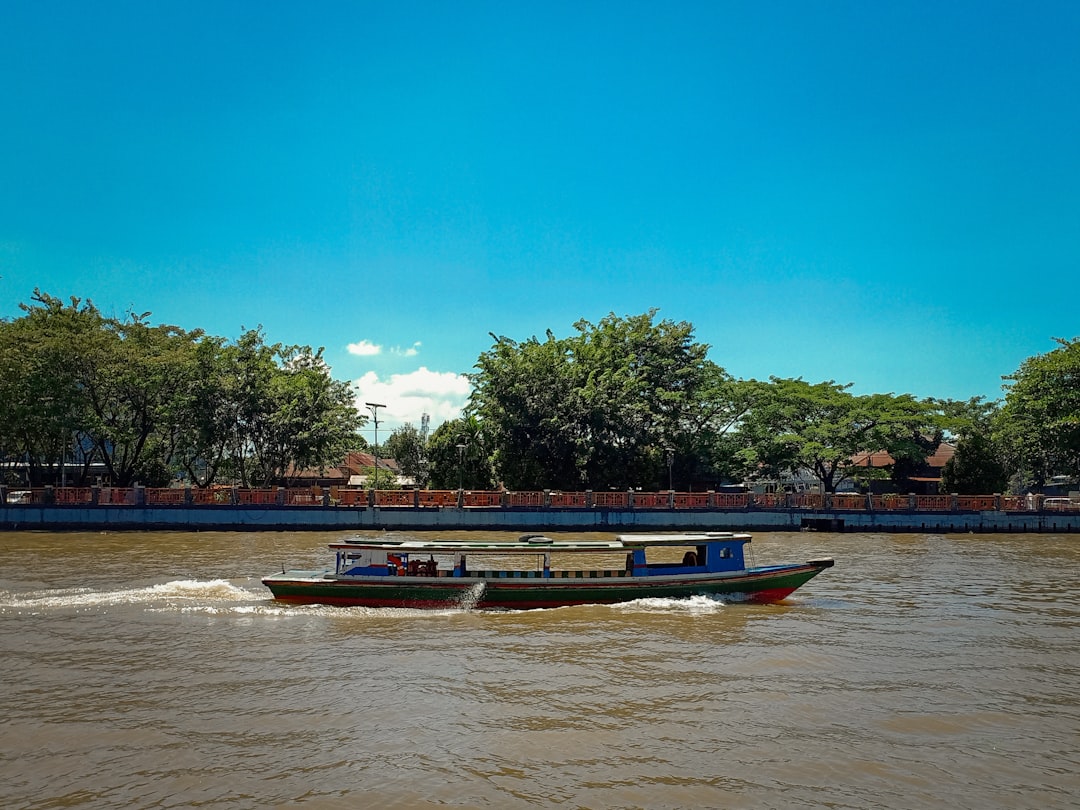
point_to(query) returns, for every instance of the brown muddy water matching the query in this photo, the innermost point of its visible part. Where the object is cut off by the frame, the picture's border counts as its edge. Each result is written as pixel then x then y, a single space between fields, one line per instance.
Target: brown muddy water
pixel 153 671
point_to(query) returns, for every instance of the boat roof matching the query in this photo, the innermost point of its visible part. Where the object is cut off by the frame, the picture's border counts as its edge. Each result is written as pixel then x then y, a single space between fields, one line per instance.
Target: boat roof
pixel 539 542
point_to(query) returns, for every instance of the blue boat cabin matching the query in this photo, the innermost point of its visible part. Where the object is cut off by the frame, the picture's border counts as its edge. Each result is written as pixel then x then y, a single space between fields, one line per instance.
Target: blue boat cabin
pixel 642 556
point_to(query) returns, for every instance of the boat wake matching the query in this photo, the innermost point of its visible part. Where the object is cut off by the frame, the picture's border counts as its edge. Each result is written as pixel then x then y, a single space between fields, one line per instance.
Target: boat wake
pixel 164 596
pixel 694 605
pixel 471 598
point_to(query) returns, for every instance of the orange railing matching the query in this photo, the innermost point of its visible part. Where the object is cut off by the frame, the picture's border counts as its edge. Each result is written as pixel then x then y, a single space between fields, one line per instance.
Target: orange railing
pixel 74 495
pixel 849 502
pixel 301 496
pixel 574 500
pixel 116 496
pixel 349 497
pixel 771 500
pixel 611 500
pixel 394 497
pixel 437 497
pixel 525 499
pixel 261 497
pixel 890 503
pixel 808 500
pixel 356 497
pixel 691 500
pixel 652 500
pixel 165 497
pixel 482 499
pixel 220 496
pixel 976 503
pixel 731 500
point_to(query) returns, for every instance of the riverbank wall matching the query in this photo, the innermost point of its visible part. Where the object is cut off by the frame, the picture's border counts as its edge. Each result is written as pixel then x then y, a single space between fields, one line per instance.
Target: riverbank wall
pixel 271 517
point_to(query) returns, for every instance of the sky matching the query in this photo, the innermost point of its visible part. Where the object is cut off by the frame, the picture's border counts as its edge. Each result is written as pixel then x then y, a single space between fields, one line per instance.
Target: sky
pixel 882 194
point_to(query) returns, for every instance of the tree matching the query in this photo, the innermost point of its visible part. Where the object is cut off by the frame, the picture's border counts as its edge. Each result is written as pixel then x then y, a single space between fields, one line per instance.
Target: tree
pixel 408 448
pixel 135 376
pixel 43 409
pixel 976 468
pixel 458 454
pixel 380 478
pixel 822 427
pixel 149 401
pixel 293 415
pixel 209 413
pixel 600 409
pixel 979 465
pixel 107 385
pixel 1040 422
pixel 963 417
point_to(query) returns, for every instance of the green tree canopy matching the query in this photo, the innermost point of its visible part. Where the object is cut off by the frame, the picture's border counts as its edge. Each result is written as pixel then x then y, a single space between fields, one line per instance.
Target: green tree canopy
pixel 150 401
pixel 976 468
pixel 979 465
pixel 458 453
pixel 1040 422
pixel 822 427
pixel 292 415
pixel 600 409
pixel 408 448
pixel 44 409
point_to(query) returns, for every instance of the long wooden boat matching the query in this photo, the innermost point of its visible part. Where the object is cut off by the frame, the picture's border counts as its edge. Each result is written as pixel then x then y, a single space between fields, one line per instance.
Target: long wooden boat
pixel 538 572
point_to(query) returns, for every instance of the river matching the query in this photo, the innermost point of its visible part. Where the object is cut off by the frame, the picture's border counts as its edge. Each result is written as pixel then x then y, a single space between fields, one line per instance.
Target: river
pixel 151 670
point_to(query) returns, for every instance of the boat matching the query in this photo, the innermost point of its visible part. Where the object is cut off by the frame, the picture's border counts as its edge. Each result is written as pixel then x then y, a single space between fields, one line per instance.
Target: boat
pixel 540 572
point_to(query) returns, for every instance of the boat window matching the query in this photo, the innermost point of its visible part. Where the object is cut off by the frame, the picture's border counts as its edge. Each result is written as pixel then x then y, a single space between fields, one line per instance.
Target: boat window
pixel 674 555
pixel 479 561
pixel 591 561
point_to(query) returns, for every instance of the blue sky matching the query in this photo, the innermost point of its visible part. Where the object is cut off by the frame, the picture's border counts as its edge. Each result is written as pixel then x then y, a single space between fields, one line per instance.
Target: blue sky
pixel 886 194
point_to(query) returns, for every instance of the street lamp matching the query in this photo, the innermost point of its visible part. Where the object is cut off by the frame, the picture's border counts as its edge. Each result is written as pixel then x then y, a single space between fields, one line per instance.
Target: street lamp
pixel 460 465
pixel 670 452
pixel 374 406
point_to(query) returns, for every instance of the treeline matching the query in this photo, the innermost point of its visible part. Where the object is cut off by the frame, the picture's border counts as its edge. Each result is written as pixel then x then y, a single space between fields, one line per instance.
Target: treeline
pixel 152 402
pixel 635 402
pixel 624 403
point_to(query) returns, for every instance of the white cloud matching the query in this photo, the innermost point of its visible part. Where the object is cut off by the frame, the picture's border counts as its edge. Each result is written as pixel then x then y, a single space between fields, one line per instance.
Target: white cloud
pixel 440 394
pixel 364 348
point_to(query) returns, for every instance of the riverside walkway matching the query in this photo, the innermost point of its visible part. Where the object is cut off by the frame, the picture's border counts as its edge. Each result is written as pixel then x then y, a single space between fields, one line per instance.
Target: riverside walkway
pixel 315 508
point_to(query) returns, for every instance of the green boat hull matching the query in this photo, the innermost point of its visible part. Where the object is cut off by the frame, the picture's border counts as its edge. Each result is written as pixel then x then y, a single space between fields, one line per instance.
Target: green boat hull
pixel 756 585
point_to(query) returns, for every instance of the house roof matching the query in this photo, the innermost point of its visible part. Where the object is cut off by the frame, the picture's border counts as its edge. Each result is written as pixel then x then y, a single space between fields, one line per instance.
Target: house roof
pixel 357 461
pixel 880 458
pixel 354 464
pixel 944 452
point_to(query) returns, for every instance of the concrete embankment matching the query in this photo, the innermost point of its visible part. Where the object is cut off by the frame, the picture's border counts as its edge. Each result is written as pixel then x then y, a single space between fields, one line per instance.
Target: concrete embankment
pixel 25 517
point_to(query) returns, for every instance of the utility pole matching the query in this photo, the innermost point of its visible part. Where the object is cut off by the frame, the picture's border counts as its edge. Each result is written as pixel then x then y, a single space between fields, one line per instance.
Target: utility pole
pixel 374 406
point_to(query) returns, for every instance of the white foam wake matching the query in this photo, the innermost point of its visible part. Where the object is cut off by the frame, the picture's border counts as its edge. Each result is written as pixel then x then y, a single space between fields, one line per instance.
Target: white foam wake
pixel 693 605
pixel 177 592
